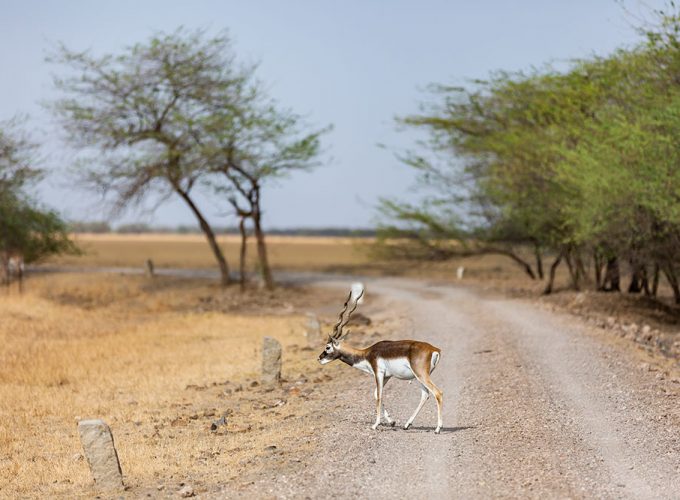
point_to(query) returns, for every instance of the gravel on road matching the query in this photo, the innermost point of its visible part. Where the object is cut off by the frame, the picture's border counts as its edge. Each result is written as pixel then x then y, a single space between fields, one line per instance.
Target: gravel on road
pixel 536 405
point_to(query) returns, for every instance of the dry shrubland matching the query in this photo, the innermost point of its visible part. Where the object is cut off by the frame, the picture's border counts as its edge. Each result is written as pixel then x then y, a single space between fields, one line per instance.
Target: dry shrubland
pixel 159 360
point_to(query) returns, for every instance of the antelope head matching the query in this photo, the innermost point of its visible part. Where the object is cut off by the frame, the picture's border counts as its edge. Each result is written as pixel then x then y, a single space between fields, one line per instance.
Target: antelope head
pixel 331 350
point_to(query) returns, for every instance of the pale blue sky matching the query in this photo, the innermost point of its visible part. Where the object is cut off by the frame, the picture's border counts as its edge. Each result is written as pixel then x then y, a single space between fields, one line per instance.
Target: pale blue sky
pixel 355 64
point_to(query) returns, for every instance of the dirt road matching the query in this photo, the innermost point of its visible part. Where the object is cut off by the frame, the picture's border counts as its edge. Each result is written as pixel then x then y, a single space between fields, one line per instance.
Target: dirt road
pixel 536 405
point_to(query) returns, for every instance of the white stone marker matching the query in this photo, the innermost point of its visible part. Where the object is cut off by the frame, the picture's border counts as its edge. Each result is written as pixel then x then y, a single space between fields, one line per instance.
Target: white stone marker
pixel 271 361
pixel 101 454
pixel 313 331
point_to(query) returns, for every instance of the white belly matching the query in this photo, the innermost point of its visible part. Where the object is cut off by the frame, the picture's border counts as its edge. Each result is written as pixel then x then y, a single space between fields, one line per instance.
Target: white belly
pixel 398 367
pixel 364 366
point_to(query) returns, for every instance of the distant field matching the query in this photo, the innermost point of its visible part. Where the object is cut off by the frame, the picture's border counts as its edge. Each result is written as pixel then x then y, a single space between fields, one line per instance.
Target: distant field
pixel 294 253
pixel 299 253
pixel 192 251
pixel 304 253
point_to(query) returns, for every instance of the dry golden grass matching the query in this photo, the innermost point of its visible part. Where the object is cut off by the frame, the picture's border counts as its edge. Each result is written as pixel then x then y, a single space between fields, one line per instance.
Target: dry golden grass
pixel 156 361
pixel 192 251
pixel 160 359
pixel 295 253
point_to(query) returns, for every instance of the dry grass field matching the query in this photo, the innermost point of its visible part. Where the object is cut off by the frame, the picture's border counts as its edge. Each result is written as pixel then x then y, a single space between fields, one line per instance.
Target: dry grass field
pixel 494 273
pixel 162 358
pixel 292 253
pixel 192 251
pixel 159 360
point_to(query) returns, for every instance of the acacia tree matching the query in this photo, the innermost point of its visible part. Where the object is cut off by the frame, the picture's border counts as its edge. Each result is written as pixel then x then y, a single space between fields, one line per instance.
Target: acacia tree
pixel 169 116
pixel 246 150
pixel 138 116
pixel 491 172
pixel 582 163
pixel 507 138
pixel 624 176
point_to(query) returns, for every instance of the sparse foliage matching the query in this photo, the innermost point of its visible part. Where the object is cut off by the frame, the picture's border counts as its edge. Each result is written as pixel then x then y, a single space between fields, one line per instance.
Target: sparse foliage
pixel 582 164
pixel 176 115
pixel 259 145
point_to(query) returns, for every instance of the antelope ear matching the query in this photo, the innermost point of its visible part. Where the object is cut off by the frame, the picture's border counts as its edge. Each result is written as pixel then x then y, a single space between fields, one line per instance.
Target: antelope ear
pixel 344 336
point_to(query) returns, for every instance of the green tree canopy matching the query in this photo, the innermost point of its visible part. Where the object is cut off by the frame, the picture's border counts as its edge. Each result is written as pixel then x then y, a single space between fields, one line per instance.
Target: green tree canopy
pixel 577 163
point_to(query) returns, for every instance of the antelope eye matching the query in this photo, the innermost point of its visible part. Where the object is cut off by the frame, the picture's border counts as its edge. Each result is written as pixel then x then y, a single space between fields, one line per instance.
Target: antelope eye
pixel 328 348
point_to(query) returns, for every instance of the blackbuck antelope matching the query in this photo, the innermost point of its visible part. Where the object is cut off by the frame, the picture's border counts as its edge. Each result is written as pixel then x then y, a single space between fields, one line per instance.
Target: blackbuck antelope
pixel 403 359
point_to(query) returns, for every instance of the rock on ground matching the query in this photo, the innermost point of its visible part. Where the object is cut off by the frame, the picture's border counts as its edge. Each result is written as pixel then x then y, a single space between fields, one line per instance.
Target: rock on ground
pixel 313 331
pixel 271 361
pixel 101 454
pixel 186 491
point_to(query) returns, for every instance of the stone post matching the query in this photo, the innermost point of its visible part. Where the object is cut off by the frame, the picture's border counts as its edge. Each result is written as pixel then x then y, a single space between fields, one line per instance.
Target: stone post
pixel 313 331
pixel 101 455
pixel 271 361
pixel 150 272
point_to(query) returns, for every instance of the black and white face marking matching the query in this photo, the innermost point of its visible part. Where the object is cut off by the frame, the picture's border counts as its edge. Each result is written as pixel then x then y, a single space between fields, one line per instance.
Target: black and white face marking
pixel 329 353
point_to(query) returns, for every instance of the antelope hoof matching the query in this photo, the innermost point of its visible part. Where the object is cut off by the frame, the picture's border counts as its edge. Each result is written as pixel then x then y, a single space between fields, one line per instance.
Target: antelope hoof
pixel 375 426
pixel 391 423
pixel 407 425
pixel 437 430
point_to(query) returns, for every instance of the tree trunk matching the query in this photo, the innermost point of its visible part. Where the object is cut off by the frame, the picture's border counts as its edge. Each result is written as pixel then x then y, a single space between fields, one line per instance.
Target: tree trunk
pixel 645 280
pixel 4 270
pixel 496 251
pixel 634 285
pixel 597 262
pixel 612 278
pixel 20 274
pixel 673 282
pixel 655 279
pixel 635 278
pixel 581 268
pixel 551 279
pixel 522 263
pixel 210 236
pixel 7 278
pixel 265 271
pixel 242 254
pixel 573 270
pixel 539 261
